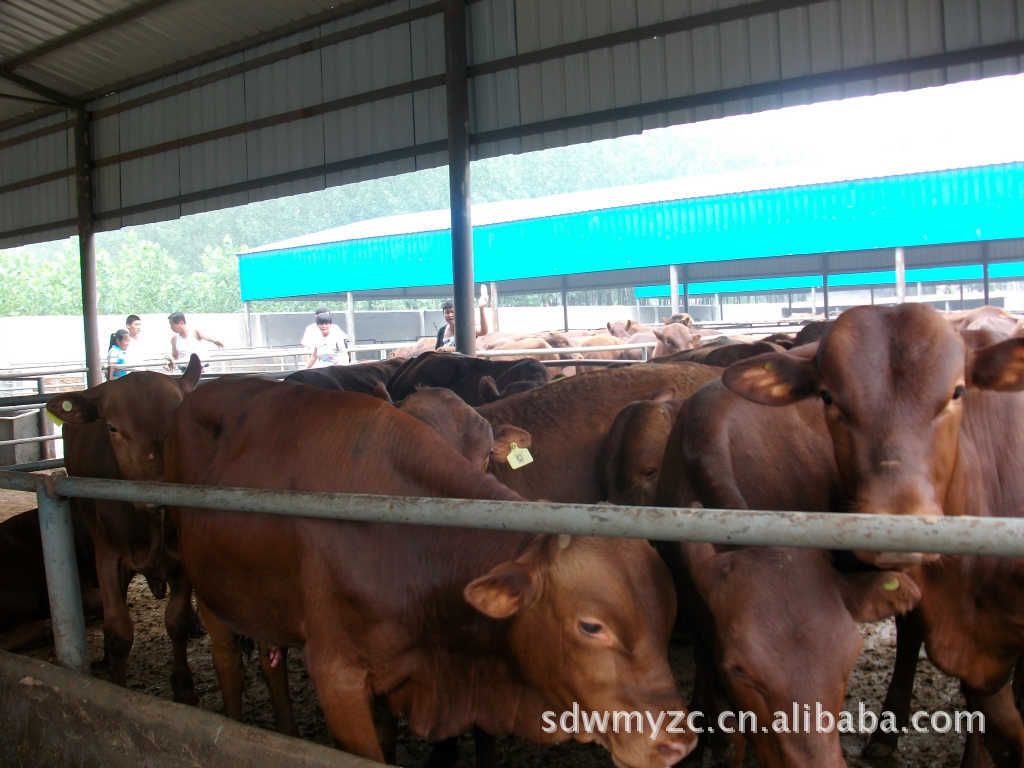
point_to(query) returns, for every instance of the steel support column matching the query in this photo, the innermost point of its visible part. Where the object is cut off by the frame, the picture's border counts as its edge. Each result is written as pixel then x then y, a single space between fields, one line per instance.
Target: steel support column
pixel 87 249
pixel 565 304
pixel 62 581
pixel 673 287
pixel 901 276
pixel 458 175
pixel 984 271
pixel 686 289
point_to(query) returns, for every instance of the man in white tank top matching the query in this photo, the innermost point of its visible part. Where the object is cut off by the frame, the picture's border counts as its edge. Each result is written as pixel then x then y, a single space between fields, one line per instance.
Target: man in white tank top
pixel 186 341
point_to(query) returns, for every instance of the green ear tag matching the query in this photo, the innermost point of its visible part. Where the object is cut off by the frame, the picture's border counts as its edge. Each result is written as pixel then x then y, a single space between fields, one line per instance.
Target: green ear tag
pixel 54 419
pixel 518 457
pixel 891 585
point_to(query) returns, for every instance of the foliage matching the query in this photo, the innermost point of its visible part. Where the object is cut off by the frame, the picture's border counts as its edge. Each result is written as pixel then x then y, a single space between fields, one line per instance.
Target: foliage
pixel 189 264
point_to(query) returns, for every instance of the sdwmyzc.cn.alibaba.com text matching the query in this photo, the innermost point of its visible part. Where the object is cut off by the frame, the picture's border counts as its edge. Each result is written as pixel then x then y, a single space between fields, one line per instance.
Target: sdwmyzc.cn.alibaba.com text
pixel 802 718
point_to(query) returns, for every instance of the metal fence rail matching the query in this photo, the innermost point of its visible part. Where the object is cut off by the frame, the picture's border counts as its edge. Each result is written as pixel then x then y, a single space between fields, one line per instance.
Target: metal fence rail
pixel 953 535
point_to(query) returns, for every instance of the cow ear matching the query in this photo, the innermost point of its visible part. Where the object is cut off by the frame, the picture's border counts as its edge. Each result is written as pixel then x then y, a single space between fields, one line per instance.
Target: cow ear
pixel 697 557
pixel 609 326
pixel 775 378
pixel 488 389
pixel 629 324
pixel 659 334
pixel 504 436
pixel 878 595
pixel 501 592
pixel 190 377
pixel 381 391
pixel 73 407
pixel 999 366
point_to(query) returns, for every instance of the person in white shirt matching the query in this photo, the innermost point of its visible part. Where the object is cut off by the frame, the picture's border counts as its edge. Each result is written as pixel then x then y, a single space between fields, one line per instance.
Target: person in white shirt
pixel 186 341
pixel 326 342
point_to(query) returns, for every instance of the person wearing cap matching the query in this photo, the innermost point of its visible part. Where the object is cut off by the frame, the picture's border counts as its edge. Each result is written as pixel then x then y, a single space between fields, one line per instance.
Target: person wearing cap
pixel 326 342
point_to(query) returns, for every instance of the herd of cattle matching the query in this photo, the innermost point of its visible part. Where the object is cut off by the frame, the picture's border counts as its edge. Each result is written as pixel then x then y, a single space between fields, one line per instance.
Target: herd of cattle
pixel 887 410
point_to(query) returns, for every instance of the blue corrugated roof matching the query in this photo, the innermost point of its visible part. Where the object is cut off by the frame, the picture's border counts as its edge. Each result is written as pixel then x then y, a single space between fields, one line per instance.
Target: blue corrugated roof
pixel 952 206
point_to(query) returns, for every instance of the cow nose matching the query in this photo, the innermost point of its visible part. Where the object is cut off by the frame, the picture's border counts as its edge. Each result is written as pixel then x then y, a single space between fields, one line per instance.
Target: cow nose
pixel 671 751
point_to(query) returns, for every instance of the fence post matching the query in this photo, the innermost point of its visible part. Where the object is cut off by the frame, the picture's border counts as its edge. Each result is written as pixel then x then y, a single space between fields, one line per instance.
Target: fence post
pixel 62 581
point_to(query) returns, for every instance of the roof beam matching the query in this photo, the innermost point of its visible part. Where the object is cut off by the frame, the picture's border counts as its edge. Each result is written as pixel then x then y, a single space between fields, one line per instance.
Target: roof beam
pixel 55 97
pixel 100 25
pixel 341 11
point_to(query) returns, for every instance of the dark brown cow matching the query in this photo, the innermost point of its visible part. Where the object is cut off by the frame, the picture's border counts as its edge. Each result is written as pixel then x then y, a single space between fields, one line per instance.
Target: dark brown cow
pixel 24 600
pixel 923 422
pixel 569 420
pixel 361 377
pixel 474 380
pixel 451 626
pixel 115 430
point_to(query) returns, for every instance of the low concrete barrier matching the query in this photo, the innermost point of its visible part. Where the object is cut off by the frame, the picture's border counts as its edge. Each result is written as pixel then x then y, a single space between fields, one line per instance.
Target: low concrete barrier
pixel 54 717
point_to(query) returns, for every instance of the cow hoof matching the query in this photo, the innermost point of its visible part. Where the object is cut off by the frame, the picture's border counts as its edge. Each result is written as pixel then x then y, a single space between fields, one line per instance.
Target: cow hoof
pixel 184 690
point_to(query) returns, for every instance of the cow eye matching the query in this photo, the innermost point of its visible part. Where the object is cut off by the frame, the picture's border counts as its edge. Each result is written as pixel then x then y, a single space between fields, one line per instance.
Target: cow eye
pixel 590 628
pixel 112 429
pixel 958 391
pixel 826 397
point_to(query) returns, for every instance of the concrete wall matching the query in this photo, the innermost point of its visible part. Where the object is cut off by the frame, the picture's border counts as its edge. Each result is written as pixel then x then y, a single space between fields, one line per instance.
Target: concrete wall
pixel 55 718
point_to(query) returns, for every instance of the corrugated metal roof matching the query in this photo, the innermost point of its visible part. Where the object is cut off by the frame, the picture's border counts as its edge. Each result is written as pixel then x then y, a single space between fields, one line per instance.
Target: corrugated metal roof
pixel 163 33
pixel 952 206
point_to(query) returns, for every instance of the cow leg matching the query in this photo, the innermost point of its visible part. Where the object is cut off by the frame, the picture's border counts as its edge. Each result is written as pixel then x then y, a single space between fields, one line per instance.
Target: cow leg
pixel 118 633
pixel 345 696
pixel 1004 731
pixel 275 672
pixel 1018 684
pixel 227 658
pixel 177 620
pixel 486 749
pixel 909 638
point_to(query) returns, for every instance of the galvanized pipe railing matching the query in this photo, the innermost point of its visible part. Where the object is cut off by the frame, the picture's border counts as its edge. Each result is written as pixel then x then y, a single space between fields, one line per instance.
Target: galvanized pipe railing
pixel 882 533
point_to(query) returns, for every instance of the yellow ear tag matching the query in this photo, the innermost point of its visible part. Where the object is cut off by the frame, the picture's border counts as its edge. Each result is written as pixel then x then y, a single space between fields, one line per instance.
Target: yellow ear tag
pixel 518 457
pixel 891 585
pixel 54 419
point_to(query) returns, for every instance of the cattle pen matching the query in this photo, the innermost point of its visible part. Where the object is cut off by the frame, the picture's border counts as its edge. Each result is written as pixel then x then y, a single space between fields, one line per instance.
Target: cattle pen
pixel 82 701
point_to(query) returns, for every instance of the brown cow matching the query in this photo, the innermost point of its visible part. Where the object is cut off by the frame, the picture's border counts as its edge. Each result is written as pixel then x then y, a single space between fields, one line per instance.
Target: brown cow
pixel 623 329
pixel 100 425
pixel 723 352
pixel 674 337
pixel 754 605
pixel 569 420
pixel 24 600
pixel 449 625
pixel 633 452
pixel 934 435
pixel 901 441
pixel 777 631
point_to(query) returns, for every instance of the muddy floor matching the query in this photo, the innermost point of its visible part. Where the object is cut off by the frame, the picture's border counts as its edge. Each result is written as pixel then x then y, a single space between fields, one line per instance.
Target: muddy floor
pixel 149 672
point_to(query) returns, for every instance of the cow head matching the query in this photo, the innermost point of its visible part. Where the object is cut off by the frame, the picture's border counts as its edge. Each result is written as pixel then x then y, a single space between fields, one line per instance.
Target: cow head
pixel 894 383
pixel 459 424
pixel 674 337
pixel 589 625
pixel 783 629
pixel 635 447
pixel 138 410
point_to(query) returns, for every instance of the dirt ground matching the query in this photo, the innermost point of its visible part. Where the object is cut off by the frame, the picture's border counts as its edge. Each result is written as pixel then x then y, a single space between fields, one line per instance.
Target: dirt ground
pixel 149 672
